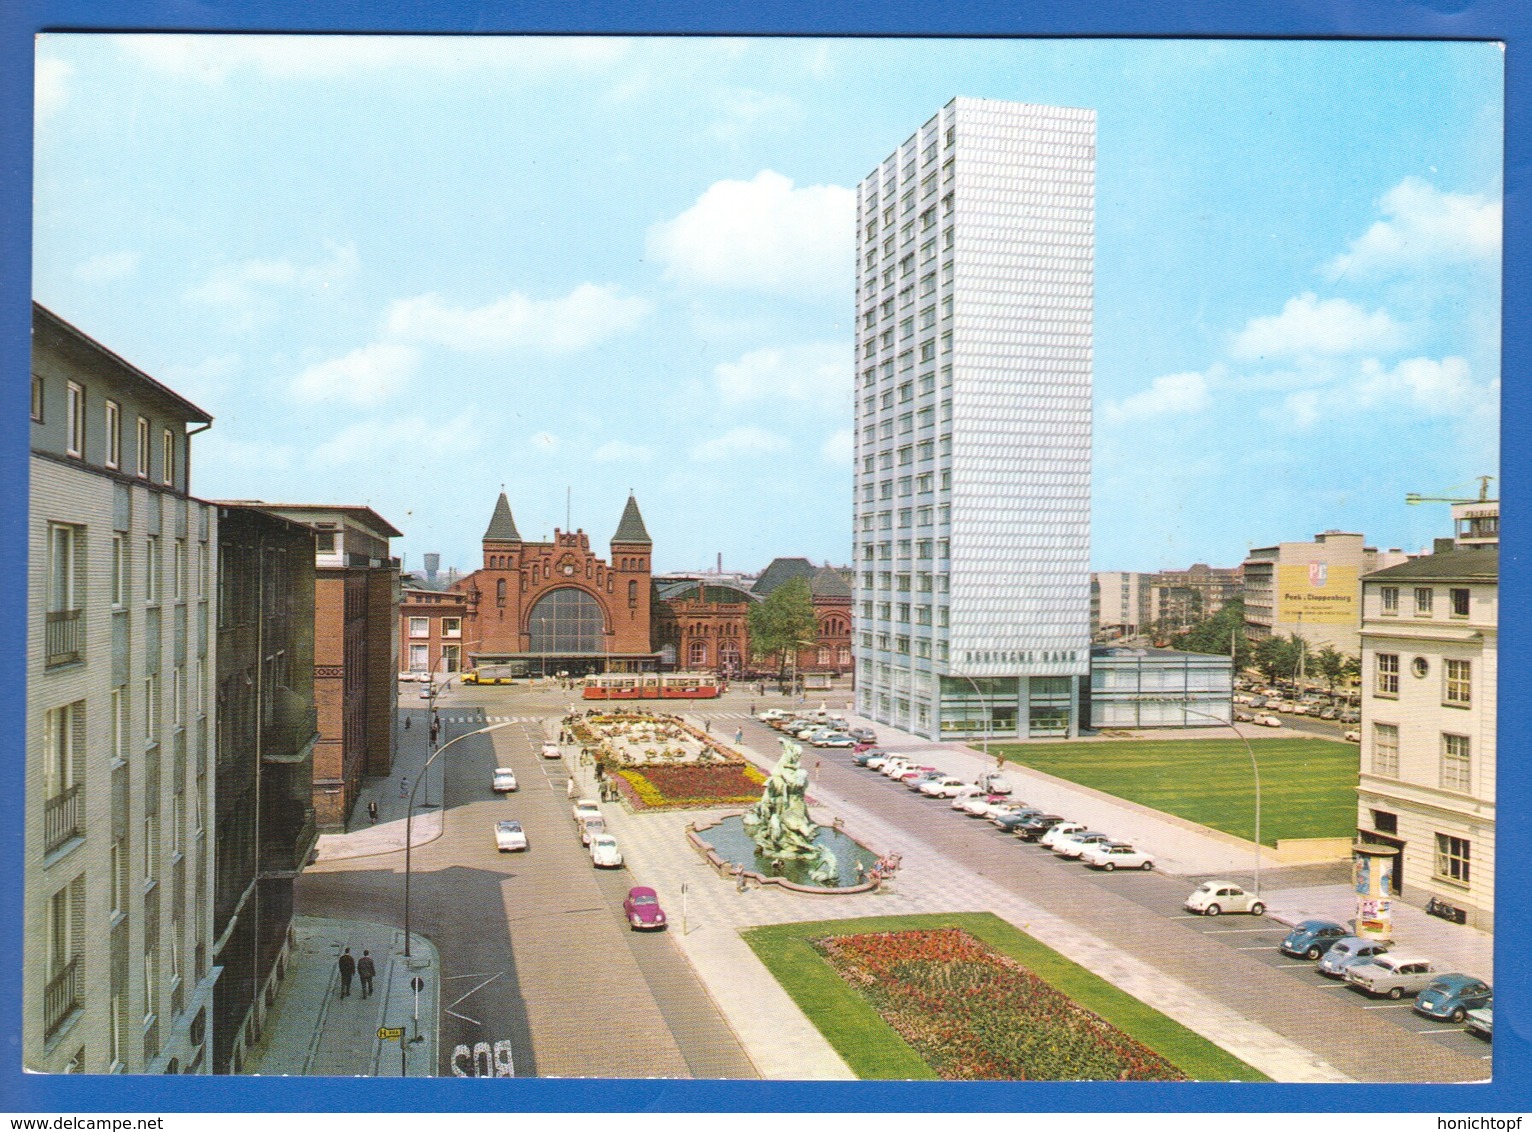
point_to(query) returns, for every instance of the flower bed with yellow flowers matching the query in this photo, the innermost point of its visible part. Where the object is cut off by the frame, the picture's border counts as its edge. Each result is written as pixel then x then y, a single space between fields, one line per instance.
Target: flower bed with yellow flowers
pixel 689 787
pixel 974 1014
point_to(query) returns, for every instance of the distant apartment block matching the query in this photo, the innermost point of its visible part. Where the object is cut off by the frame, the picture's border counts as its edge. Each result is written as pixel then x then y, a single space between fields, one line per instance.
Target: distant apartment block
pixel 1430 665
pixel 1119 603
pixel 971 514
pixel 431 632
pixel 356 650
pixel 118 974
pixel 1311 589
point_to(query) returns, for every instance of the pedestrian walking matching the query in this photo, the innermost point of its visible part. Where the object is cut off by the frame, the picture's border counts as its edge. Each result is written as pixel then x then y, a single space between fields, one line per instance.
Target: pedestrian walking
pixel 404 786
pixel 708 725
pixel 347 967
pixel 372 812
pixel 739 736
pixel 366 970
pixel 436 728
pixel 571 790
pixel 406 723
pixel 752 707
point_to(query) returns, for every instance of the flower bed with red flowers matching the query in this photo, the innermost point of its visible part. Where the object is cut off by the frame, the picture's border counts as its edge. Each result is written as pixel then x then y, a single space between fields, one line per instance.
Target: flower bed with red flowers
pixel 683 787
pixel 974 1014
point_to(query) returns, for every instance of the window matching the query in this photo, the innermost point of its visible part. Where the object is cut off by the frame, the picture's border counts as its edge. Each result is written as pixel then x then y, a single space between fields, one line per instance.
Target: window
pixel 119 724
pixel 37 399
pixel 1459 602
pixel 1385 749
pixel 1387 674
pixel 1385 822
pixel 420 626
pixel 696 654
pixel 178 578
pixel 151 708
pixel 1390 595
pixel 452 626
pixel 64 624
pixel 1457 679
pixel 119 572
pixel 451 657
pixel 1456 763
pixel 1423 601
pixel 500 592
pixel 113 434
pixel 1453 858
pixel 168 458
pixel 76 442
pixel 152 569
pixel 420 658
pixel 66 930
pixel 142 466
pixel 566 621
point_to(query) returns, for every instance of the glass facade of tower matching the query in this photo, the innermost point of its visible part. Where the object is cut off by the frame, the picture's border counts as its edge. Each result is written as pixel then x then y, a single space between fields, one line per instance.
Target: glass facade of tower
pixel 975 246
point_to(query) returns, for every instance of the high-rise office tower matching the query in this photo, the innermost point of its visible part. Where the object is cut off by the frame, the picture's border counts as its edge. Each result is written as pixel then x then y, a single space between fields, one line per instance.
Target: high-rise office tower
pixel 975 242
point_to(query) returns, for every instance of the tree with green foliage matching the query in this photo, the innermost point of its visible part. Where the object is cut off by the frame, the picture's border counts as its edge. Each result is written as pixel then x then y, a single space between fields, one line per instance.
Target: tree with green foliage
pixel 783 623
pixel 1213 634
pixel 1329 665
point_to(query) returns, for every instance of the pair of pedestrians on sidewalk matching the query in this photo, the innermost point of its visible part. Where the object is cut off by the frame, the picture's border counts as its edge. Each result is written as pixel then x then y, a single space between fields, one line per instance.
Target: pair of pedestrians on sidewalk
pixel 364 968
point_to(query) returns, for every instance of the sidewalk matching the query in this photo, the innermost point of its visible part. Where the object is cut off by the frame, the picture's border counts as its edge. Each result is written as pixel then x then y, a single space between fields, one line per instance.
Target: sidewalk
pixel 312 1031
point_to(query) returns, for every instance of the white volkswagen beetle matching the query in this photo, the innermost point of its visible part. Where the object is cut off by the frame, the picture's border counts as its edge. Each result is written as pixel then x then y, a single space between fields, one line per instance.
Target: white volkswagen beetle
pixel 1215 896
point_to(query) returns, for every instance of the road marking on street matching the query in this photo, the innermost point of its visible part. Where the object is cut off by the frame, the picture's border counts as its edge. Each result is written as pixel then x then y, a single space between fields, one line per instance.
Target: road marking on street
pixel 464 1017
pixel 1264 947
pixel 1292 964
pixel 460 998
pixel 1239 931
pixel 1390 1006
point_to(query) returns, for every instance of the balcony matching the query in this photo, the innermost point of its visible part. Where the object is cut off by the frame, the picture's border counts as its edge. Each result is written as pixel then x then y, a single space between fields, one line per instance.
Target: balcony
pixel 61 818
pixel 64 635
pixel 287 844
pixel 61 998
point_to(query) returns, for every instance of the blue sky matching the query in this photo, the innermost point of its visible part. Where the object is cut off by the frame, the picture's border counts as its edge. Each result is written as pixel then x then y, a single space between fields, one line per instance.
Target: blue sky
pixel 403 272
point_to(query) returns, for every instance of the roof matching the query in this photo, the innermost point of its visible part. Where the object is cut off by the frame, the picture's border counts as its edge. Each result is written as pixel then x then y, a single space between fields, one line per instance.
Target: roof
pixel 43 318
pixel 365 515
pixel 716 593
pixel 783 570
pixel 827 582
pixel 631 528
pixel 502 527
pixel 1462 564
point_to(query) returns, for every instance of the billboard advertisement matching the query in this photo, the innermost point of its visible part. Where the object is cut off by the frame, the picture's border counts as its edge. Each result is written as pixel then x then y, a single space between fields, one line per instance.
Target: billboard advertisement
pixel 1318 593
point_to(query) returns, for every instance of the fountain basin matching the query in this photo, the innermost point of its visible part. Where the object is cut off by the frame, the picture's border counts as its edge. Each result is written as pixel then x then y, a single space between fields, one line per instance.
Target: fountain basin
pixel 726 844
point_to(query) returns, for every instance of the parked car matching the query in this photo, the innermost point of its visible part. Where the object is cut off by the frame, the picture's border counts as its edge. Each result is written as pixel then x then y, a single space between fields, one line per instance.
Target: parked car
pixel 919 780
pixel 1268 721
pixel 834 739
pixel 863 734
pixel 984 805
pixel 1481 1023
pixel 864 758
pixel 994 782
pixel 1328 713
pixel 771 715
pixel 509 836
pixel 1352 736
pixel 1350 716
pixel 505 780
pixel 1310 939
pixel 861 746
pixel 1072 846
pixel 591 828
pixel 1451 997
pixel 604 853
pixel 583 809
pixel 889 763
pixel 1061 830
pixel 1396 974
pixel 1034 828
pixel 1258 701
pixel 1243 717
pixel 642 908
pixel 962 797
pixel 1215 896
pixel 551 749
pixel 1111 855
pixel 946 786
pixel 1346 951
pixel 1011 819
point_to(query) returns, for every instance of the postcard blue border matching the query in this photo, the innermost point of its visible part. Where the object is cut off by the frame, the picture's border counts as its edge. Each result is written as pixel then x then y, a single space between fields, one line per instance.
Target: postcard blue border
pixel 1507 20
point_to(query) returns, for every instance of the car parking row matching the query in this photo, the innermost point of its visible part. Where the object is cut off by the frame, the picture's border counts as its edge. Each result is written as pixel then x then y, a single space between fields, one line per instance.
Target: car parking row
pixel 1421 990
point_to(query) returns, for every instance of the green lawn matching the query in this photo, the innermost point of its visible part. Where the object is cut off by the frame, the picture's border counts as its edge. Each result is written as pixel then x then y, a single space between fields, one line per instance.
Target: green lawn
pixel 1308 786
pixel 875 1052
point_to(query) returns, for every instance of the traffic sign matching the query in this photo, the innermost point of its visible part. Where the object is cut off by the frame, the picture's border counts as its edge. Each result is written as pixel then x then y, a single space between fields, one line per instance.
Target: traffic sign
pixel 417 983
pixel 389 1033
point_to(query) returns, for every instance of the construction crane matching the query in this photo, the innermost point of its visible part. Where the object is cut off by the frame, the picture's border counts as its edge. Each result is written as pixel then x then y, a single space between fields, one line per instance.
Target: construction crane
pixel 1483 494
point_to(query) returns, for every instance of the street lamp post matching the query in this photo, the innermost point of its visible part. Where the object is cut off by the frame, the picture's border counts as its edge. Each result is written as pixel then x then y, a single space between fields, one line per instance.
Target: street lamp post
pixel 1254 769
pixel 989 719
pixel 432 689
pixel 409 817
pixel 542 645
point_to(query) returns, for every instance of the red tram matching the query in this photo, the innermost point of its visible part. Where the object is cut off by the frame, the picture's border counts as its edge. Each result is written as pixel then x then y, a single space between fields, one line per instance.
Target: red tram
pixel 652 686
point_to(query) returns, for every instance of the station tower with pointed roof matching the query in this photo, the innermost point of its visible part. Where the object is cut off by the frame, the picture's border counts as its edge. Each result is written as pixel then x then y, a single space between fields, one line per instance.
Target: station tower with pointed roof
pixel 550 607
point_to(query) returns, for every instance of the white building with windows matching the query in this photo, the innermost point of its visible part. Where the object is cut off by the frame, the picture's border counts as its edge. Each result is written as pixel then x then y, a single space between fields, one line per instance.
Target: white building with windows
pixel 1429 660
pixel 118 972
pixel 975 248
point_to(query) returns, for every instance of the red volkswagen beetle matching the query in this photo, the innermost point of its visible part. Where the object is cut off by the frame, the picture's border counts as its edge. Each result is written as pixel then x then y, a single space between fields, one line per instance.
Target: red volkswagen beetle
pixel 642 908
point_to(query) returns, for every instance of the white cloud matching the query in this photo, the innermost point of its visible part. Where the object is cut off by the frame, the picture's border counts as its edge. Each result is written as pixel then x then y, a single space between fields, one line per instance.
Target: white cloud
pixel 818 372
pixel 52 86
pixel 762 235
pixel 1425 227
pixel 1437 388
pixel 365 376
pixel 838 447
pixel 248 290
pixel 1308 326
pixel 1175 394
pixel 107 267
pixel 742 111
pixel 621 452
pixel 587 315
pixel 743 442
pixel 399 442
pixel 213 58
